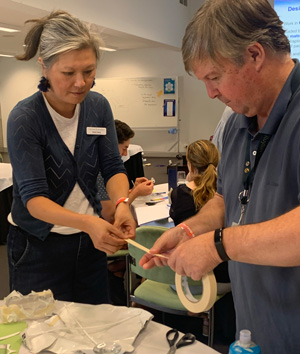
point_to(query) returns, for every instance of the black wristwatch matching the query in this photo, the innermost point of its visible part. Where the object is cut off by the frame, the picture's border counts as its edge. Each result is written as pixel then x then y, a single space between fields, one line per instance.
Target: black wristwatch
pixel 219 245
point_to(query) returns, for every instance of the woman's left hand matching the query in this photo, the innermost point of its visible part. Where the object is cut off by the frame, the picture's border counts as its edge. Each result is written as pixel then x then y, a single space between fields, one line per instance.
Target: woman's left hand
pixel 124 220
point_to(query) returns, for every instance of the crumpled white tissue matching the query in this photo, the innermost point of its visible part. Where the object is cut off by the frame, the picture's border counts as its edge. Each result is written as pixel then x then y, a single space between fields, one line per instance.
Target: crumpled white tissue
pixel 18 307
pixel 77 327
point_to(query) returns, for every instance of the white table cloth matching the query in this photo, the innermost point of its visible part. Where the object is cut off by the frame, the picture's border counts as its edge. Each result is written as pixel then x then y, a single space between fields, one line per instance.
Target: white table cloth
pixel 5 176
pixel 153 340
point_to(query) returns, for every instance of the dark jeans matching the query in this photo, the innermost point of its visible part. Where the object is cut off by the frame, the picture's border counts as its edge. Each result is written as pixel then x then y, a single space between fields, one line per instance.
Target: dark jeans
pixel 69 265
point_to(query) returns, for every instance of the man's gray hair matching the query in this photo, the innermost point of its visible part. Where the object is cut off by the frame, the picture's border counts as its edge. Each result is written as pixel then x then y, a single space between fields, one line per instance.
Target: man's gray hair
pixel 225 28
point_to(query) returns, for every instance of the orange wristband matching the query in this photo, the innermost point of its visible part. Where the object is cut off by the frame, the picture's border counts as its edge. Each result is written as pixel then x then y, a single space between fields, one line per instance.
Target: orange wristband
pixel 187 229
pixel 121 200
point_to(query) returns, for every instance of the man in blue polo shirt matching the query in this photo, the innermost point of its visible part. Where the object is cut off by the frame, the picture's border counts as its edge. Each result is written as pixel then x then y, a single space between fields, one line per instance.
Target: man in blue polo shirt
pixel 241 53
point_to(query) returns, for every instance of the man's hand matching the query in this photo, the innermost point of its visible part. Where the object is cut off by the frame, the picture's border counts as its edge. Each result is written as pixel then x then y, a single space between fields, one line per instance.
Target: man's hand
pixel 165 245
pixel 196 257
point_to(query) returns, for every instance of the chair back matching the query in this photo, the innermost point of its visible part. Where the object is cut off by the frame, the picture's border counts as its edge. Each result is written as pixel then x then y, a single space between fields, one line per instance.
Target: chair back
pixel 146 236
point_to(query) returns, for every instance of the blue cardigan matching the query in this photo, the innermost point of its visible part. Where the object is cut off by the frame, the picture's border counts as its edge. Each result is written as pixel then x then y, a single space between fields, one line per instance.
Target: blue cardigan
pixel 44 166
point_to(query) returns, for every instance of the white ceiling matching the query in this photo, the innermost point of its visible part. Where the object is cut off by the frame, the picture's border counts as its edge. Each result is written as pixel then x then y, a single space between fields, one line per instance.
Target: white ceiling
pixel 14 15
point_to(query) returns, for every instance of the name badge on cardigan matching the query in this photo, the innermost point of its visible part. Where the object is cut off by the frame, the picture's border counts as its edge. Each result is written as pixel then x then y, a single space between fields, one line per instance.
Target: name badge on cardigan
pixel 95 131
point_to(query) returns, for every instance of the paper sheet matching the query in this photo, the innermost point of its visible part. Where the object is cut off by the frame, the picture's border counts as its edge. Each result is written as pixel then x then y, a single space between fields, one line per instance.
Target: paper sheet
pixel 146 214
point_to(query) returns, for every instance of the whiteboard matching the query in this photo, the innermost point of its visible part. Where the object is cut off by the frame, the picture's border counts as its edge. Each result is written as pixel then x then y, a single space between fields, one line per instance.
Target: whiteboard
pixel 142 102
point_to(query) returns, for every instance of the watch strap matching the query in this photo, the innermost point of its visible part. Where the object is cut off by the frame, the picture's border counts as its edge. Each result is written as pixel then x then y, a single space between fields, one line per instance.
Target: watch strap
pixel 219 245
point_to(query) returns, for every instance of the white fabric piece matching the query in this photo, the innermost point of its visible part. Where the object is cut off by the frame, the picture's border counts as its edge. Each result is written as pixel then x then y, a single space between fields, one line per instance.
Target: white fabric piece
pixel 81 327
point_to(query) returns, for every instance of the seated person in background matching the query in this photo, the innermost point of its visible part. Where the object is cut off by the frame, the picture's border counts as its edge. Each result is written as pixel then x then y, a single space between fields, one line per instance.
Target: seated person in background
pixel 187 199
pixel 142 186
pixel 218 133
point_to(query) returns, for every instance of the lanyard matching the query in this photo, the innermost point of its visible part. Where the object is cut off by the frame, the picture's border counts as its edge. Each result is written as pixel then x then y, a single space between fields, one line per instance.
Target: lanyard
pixel 248 172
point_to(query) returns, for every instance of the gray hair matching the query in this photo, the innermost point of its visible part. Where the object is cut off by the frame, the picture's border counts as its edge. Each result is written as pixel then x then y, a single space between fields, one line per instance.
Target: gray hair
pixel 55 34
pixel 225 28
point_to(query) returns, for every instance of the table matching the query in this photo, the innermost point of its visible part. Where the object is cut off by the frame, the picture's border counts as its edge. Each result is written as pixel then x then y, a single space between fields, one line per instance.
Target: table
pixel 152 214
pixel 5 176
pixel 153 340
pixel 5 199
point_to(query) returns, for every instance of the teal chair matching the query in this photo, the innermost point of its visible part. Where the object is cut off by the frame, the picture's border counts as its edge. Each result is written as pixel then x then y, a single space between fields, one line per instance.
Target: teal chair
pixel 155 292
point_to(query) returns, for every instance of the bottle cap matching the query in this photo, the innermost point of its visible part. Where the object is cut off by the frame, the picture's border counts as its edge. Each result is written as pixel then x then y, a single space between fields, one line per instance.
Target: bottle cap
pixel 245 336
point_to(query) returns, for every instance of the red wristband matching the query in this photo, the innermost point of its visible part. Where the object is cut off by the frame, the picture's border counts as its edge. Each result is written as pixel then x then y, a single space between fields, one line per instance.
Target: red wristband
pixel 187 229
pixel 121 200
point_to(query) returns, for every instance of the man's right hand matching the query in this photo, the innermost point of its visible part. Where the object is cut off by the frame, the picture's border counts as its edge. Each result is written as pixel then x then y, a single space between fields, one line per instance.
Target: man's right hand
pixel 164 245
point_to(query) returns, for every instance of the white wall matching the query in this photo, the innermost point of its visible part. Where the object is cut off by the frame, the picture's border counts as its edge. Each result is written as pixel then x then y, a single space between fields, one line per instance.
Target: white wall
pixel 159 20
pixel 199 114
pixel 163 21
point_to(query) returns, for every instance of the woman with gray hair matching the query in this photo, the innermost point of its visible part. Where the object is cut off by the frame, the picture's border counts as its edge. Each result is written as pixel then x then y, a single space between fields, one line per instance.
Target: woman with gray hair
pixel 58 140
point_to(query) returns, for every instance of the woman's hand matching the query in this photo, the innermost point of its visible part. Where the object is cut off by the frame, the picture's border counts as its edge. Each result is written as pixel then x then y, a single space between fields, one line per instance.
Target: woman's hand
pixel 105 236
pixel 143 188
pixel 124 221
pixel 140 180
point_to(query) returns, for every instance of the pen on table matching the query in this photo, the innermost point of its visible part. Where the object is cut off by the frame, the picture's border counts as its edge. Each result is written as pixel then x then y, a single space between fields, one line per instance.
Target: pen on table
pixel 153 202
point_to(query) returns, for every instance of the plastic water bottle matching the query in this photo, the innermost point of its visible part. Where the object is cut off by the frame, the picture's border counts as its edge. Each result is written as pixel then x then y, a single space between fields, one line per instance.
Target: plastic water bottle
pixel 244 345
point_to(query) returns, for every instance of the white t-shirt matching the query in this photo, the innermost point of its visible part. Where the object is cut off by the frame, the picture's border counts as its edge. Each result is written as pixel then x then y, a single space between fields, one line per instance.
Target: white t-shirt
pixel 77 201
